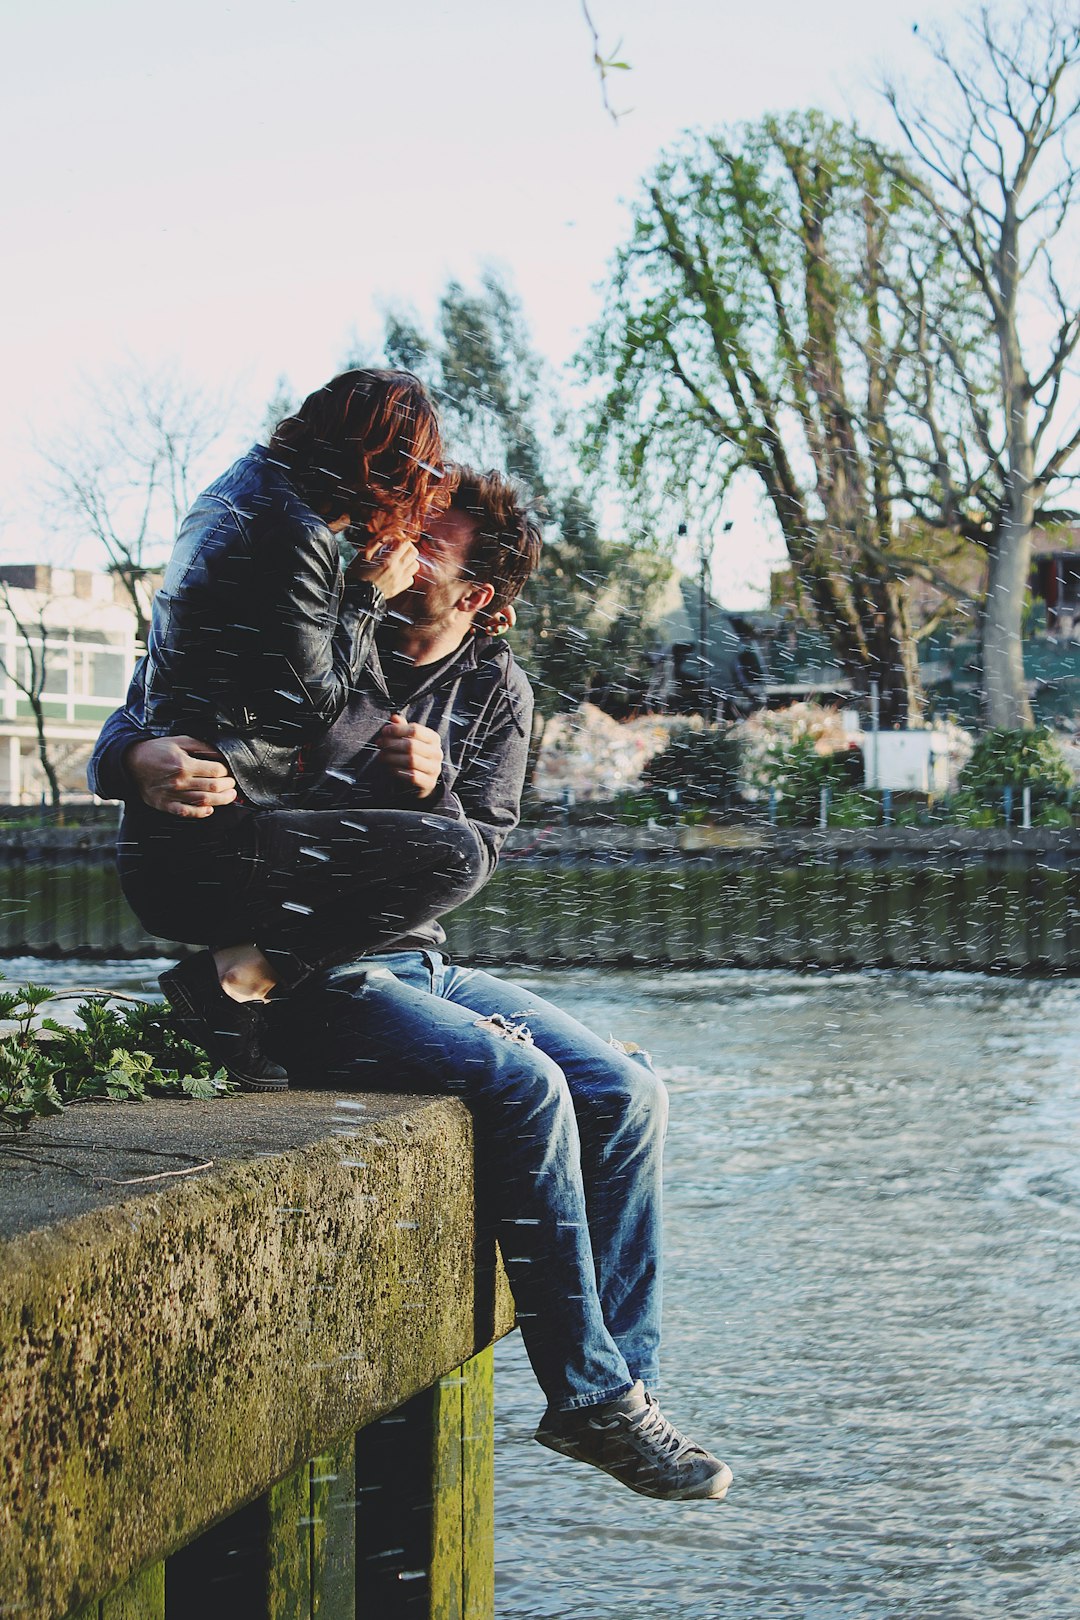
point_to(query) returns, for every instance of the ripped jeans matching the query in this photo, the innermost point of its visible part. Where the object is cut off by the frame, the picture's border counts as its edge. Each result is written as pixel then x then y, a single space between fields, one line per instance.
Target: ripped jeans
pixel 569 1142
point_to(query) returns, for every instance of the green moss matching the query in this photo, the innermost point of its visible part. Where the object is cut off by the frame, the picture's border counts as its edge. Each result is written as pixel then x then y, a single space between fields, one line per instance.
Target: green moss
pixel 168 1358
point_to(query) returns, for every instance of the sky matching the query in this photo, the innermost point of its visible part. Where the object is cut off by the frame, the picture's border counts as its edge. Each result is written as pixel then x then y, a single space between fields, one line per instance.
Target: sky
pixel 236 191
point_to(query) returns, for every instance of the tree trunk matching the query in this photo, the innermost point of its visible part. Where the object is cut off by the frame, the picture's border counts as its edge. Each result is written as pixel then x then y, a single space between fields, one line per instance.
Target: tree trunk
pixel 1005 695
pixel 1004 686
pixel 43 754
pixel 896 660
pixel 536 740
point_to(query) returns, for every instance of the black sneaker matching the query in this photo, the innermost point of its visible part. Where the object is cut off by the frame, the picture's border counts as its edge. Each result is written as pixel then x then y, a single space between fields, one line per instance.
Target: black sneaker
pixel 632 1440
pixel 232 1033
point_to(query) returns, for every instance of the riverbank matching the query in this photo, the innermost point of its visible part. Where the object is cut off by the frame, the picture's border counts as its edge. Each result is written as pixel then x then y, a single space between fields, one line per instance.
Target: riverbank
pixel 985 900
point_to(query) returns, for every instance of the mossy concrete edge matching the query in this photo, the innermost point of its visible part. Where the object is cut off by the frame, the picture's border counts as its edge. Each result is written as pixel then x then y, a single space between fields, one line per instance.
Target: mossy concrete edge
pixel 167 1358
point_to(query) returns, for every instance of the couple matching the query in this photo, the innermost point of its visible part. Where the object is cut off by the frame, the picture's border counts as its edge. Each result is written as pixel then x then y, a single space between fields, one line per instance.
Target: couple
pixel 318 759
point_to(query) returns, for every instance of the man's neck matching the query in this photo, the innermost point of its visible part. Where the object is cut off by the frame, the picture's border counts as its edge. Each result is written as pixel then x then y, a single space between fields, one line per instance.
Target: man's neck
pixel 426 643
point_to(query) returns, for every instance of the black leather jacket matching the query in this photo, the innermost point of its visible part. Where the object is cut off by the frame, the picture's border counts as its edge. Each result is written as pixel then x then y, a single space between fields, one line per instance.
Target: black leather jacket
pixel 256 640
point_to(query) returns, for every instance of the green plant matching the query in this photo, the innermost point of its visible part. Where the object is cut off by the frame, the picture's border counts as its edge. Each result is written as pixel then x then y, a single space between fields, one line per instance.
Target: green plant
pixel 968 812
pixel 124 1053
pixel 854 810
pixel 798 772
pixel 1015 759
pixel 1053 815
pixel 701 764
pixel 638 809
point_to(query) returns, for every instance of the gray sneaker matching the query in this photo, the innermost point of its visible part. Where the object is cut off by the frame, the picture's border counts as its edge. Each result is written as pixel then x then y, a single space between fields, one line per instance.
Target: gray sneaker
pixel 632 1440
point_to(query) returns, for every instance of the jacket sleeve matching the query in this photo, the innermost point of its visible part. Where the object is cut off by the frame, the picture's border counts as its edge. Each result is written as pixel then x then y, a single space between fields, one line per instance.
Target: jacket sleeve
pixel 321 631
pixel 106 774
pixel 487 790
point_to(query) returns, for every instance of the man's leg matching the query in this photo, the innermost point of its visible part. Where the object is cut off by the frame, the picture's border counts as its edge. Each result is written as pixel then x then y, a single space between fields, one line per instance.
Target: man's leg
pixel 371 1029
pixel 621 1108
pixel 396 1033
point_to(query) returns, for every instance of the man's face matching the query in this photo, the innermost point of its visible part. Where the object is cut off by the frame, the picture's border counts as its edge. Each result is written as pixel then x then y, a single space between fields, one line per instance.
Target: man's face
pixel 443 577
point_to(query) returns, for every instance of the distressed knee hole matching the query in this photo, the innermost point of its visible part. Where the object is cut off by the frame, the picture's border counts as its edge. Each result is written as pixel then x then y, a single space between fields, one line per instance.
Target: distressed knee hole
pixel 631 1049
pixel 509 1028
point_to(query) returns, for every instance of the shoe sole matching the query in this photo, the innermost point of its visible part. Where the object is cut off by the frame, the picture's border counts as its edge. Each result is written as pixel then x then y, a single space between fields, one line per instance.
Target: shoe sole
pixel 717 1486
pixel 189 1022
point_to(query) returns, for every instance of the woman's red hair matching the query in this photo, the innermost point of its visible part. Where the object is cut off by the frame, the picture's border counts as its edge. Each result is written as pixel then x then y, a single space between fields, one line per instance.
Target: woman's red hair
pixel 368 443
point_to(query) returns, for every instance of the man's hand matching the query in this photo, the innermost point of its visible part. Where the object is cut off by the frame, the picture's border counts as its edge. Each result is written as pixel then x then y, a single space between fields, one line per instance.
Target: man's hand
pixel 180 775
pixel 411 753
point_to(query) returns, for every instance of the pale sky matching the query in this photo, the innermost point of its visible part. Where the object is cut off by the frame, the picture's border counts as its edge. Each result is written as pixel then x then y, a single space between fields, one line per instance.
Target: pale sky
pixel 236 189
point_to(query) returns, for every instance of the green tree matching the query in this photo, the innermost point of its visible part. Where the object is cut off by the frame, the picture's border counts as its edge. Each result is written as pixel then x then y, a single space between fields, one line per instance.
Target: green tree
pixel 581 626
pixel 760 317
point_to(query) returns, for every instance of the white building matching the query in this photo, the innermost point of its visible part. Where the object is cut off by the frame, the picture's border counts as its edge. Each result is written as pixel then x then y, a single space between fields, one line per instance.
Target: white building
pixel 90 651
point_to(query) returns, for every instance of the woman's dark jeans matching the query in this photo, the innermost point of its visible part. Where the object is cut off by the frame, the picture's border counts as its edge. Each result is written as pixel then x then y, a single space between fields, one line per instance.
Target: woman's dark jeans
pixel 311 888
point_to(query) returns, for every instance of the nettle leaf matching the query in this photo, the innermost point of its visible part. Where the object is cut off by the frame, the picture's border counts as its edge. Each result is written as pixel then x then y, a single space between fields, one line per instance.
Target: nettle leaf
pixel 122 1055
pixel 121 1084
pixel 35 995
pixel 198 1086
pixel 46 1100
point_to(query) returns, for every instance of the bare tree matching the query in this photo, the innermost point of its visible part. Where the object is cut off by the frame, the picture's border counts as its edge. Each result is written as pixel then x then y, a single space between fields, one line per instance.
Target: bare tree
pixel 991 153
pixel 28 670
pixel 605 65
pixel 128 472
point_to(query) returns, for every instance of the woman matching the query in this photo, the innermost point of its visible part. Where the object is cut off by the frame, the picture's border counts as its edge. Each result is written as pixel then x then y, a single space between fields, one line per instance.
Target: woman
pixel 258 633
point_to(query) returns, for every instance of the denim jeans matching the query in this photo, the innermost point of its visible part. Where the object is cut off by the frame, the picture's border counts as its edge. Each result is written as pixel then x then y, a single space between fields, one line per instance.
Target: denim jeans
pixel 569 1140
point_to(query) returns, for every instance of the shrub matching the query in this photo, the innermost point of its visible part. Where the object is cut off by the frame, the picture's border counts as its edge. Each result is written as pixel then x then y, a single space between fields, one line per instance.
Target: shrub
pixel 1053 815
pixel 700 764
pixel 1017 759
pixel 854 810
pixel 799 772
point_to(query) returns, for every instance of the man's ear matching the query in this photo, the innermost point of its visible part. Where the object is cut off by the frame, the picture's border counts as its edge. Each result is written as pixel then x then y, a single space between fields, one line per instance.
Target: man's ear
pixel 476 598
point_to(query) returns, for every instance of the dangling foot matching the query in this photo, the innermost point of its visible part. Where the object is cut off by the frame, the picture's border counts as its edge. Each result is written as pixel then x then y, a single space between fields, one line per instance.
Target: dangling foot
pixel 631 1439
pixel 231 1032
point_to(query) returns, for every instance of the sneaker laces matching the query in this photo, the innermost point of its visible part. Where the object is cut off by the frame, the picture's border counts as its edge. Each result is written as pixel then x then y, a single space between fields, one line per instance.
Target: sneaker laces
pixel 661 1433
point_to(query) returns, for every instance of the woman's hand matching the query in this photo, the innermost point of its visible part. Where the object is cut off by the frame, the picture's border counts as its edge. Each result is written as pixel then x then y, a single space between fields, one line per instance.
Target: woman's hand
pixel 389 565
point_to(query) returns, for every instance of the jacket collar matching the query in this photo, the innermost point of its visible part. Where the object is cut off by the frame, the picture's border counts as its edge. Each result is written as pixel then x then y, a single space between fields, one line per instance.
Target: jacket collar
pixel 474 651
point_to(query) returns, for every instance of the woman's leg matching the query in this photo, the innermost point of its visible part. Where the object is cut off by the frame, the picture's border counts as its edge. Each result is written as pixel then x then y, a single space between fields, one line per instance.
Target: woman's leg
pixel 327 886
pixel 309 888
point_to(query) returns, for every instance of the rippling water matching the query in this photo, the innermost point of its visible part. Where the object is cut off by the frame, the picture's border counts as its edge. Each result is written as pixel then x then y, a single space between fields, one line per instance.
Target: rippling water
pixel 873 1215
pixel 873 1311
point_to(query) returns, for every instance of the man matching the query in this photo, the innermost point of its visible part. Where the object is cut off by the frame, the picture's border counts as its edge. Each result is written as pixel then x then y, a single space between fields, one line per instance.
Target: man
pixel 569 1128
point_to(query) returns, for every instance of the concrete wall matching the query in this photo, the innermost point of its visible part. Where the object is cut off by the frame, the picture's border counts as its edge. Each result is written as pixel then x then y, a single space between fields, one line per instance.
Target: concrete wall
pixel 198 1298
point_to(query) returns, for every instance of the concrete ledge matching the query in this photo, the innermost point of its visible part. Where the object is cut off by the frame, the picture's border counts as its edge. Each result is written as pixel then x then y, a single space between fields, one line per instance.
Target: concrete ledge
pixel 169 1348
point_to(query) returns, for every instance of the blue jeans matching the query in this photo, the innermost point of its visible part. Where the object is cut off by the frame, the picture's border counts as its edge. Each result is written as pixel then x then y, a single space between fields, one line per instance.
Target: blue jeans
pixel 569 1140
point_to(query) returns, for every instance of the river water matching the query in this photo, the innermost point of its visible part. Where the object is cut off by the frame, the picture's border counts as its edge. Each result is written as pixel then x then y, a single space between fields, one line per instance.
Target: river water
pixel 872 1310
pixel 873 1306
